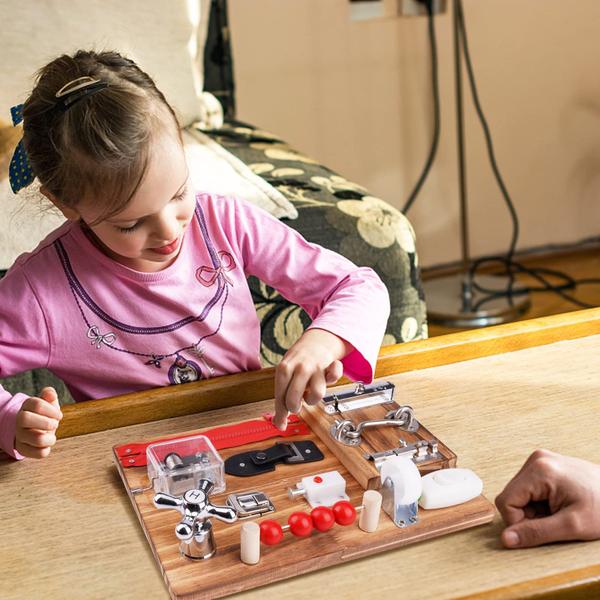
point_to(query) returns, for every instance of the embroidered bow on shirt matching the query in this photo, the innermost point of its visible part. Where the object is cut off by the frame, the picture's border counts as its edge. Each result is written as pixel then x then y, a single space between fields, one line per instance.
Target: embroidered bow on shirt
pixel 207 275
pixel 20 174
pixel 98 339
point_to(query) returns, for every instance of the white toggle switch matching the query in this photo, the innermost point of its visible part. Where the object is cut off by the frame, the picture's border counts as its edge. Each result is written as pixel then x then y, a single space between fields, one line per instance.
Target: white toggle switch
pixel 448 487
pixel 324 489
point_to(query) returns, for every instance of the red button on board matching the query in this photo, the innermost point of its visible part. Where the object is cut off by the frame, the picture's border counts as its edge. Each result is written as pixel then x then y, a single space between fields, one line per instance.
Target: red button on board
pixel 318 479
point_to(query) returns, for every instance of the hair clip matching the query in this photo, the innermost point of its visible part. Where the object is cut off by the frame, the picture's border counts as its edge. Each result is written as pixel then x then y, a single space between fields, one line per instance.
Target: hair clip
pixel 20 173
pixel 76 90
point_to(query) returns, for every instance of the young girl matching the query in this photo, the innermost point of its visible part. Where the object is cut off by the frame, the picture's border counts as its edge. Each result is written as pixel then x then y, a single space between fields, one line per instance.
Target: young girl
pixel 145 284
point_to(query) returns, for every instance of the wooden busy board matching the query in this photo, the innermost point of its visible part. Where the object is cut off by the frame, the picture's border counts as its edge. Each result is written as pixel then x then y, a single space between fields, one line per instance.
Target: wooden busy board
pixel 225 574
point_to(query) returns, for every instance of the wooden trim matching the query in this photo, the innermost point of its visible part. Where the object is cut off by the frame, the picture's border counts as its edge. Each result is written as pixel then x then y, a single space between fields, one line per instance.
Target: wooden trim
pixel 242 388
pixel 578 584
pixel 488 341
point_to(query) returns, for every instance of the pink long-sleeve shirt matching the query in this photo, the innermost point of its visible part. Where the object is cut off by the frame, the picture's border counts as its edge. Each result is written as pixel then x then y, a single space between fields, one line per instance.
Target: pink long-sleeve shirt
pixel 106 329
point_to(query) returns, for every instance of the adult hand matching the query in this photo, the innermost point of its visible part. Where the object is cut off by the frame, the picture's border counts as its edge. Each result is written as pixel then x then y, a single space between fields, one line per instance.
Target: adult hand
pixel 37 422
pixel 311 364
pixel 552 498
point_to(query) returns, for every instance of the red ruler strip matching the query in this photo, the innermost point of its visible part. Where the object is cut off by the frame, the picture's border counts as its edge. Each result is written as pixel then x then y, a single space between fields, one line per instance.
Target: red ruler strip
pixel 228 436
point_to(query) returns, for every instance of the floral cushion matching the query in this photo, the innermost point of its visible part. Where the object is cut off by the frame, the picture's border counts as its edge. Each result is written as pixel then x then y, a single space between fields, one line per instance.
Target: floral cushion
pixel 339 215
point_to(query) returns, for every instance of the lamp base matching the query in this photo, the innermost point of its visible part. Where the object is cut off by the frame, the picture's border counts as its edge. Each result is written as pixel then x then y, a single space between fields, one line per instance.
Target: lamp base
pixel 450 302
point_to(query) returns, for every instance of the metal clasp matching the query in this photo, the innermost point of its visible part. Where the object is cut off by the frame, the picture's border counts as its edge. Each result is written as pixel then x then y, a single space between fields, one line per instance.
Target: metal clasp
pixel 360 396
pixel 420 452
pixel 349 434
pixel 250 504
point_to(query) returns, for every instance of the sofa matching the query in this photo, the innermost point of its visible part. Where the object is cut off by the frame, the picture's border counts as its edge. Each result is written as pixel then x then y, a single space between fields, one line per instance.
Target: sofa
pixel 322 205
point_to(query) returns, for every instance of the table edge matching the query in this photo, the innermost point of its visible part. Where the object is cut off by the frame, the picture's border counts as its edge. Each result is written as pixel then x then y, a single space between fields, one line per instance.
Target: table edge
pixel 254 386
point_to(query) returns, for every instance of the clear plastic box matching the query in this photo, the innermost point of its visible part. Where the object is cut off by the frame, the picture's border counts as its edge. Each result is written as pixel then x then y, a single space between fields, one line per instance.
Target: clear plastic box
pixel 176 466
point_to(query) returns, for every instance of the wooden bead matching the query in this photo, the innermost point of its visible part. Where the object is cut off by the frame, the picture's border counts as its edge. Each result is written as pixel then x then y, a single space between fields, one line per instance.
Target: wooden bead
pixel 300 524
pixel 344 512
pixel 270 532
pixel 322 518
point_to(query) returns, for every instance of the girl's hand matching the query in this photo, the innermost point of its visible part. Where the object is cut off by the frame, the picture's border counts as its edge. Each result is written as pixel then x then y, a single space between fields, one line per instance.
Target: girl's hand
pixel 311 364
pixel 37 422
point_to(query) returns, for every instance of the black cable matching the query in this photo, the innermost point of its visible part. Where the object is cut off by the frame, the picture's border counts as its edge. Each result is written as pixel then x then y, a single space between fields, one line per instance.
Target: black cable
pixel 436 109
pixel 489 145
pixel 511 266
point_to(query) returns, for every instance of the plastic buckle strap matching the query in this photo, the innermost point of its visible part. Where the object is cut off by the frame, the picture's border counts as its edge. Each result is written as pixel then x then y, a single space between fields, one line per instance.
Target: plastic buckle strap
pixel 228 436
pixel 256 462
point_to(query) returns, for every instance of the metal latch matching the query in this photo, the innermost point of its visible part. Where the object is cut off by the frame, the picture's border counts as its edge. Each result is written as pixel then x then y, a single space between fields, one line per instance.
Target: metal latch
pixel 346 432
pixel 359 396
pixel 256 462
pixel 420 452
pixel 250 504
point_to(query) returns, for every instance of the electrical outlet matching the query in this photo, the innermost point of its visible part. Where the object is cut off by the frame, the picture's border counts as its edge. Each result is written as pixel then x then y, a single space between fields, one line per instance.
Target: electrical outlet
pixel 414 8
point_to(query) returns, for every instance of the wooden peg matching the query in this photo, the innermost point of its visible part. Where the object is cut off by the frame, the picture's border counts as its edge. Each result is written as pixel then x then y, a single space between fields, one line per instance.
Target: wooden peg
pixel 250 543
pixel 369 515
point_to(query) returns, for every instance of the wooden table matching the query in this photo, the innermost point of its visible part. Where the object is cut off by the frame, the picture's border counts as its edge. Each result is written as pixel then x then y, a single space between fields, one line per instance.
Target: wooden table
pixel 493 395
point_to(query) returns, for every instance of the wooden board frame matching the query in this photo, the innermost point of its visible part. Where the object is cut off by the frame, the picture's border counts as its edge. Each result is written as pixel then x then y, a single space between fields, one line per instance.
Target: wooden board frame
pixel 225 574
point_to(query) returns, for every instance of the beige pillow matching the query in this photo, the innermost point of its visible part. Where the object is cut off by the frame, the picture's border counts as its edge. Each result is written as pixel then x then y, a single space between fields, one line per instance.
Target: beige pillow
pixel 165 37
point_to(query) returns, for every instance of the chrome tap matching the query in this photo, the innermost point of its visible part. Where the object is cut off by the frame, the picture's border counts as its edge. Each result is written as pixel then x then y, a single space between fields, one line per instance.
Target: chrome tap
pixel 195 529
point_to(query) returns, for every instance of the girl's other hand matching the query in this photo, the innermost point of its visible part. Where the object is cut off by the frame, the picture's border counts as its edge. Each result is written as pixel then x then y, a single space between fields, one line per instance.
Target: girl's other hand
pixel 311 364
pixel 37 422
pixel 552 498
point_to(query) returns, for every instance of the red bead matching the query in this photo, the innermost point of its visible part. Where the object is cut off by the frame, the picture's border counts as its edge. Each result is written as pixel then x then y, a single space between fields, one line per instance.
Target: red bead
pixel 270 532
pixel 345 513
pixel 300 524
pixel 323 518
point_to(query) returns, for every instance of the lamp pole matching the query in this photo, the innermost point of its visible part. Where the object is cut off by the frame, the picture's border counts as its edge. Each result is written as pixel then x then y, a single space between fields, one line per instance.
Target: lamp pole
pixel 453 300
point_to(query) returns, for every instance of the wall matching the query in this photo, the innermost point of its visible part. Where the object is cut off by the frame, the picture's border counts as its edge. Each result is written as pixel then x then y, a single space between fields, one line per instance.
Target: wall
pixel 356 95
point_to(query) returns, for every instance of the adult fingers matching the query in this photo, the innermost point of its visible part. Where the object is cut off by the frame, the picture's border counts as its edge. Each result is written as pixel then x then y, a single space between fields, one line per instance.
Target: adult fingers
pixel 530 484
pixel 562 525
pixel 333 372
pixel 514 498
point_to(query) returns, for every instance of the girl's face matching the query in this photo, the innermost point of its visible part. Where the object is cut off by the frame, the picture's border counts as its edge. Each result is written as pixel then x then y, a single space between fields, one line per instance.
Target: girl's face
pixel 147 234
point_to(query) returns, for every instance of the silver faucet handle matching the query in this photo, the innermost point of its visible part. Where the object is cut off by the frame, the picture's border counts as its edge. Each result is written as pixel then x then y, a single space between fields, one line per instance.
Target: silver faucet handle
pixel 162 500
pixel 223 513
pixel 184 530
pixel 195 530
pixel 194 505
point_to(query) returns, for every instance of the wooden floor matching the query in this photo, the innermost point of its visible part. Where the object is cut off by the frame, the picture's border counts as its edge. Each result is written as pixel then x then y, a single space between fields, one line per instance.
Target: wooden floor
pixel 581 264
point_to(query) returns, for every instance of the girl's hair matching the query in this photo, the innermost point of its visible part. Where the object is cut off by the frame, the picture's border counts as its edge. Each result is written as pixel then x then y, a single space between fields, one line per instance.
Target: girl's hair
pixel 100 146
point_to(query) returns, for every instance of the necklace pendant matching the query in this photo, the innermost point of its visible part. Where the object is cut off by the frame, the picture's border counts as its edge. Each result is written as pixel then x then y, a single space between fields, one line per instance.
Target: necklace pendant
pixel 184 371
